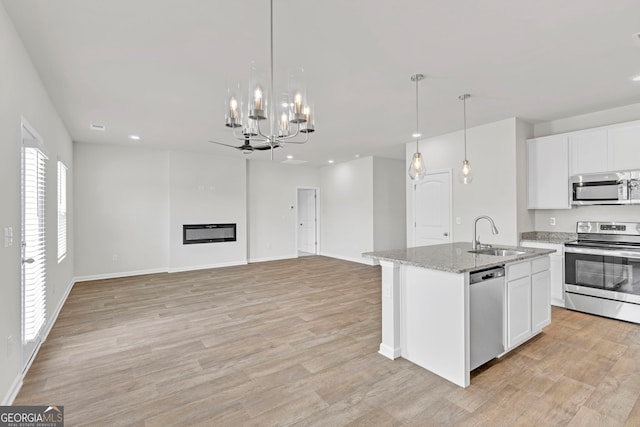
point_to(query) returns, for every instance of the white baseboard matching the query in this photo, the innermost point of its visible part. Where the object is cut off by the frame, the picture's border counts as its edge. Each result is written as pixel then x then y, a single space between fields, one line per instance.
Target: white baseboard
pixel 17 383
pixel 366 261
pixel 119 274
pixel 389 352
pixel 206 266
pixel 56 313
pixel 12 393
pixel 273 258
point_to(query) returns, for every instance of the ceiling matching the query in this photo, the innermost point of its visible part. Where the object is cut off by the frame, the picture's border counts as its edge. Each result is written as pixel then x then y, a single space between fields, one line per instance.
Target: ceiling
pixel 160 68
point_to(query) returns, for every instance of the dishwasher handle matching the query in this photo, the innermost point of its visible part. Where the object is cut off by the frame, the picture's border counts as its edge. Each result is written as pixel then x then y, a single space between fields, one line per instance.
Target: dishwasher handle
pixel 484 275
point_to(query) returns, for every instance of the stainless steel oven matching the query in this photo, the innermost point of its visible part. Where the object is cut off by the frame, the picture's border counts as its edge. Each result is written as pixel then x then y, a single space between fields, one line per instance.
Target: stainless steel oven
pixel 602 270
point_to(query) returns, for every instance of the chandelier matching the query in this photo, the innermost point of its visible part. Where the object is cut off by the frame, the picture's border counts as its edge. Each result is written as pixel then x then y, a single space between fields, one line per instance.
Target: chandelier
pixel 247 116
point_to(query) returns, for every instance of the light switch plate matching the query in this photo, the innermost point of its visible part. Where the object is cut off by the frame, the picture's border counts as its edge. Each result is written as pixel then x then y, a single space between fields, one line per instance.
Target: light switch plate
pixel 552 220
pixel 8 237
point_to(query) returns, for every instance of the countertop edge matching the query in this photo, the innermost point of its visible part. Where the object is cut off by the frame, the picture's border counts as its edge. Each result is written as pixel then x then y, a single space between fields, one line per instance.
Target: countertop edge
pixel 480 261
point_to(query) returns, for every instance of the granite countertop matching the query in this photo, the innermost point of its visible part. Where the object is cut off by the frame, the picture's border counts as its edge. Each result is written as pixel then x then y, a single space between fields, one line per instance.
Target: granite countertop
pixel 548 237
pixel 453 257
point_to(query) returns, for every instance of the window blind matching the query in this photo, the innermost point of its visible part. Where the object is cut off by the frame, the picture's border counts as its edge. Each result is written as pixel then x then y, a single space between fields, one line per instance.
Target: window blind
pixel 34 296
pixel 62 211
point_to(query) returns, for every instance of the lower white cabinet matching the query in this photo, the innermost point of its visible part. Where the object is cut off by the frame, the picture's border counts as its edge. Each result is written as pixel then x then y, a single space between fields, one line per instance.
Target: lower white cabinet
pixel 518 311
pixel 556 269
pixel 540 300
pixel 528 305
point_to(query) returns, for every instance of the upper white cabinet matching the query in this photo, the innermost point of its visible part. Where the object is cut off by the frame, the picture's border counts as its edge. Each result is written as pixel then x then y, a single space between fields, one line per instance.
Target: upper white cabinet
pixel 548 173
pixel 624 146
pixel 589 152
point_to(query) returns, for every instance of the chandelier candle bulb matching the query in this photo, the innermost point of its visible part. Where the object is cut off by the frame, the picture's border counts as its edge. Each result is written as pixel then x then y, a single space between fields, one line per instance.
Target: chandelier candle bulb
pixel 233 104
pixel 284 124
pixel 297 102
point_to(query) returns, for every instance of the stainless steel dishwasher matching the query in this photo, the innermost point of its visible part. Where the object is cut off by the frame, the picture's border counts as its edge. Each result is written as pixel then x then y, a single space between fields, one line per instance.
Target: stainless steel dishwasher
pixel 486 294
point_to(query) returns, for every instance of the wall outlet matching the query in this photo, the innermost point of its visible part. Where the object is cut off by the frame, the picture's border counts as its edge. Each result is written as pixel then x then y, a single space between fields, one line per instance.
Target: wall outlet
pixel 114 257
pixel 387 291
pixel 552 220
pixel 458 220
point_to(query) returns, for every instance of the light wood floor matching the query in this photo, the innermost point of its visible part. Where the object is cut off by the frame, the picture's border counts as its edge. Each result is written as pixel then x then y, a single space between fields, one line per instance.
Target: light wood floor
pixel 295 343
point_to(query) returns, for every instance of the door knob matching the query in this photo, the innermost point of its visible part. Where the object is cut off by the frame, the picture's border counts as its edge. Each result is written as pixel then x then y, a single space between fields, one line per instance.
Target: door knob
pixel 29 261
pixel 445 234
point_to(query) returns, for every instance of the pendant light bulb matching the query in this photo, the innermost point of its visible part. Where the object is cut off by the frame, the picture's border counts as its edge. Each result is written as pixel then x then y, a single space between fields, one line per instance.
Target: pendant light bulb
pixel 417 168
pixel 465 175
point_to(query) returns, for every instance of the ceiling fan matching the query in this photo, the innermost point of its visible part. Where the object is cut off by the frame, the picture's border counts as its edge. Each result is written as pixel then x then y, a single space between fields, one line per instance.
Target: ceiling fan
pixel 247 148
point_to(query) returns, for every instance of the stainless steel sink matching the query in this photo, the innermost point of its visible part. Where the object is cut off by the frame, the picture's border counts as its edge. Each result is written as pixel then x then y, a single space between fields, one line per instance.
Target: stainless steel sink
pixel 497 252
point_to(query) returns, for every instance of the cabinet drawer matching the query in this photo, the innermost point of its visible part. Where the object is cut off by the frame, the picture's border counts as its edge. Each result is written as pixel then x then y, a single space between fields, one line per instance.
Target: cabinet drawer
pixel 521 269
pixel 540 264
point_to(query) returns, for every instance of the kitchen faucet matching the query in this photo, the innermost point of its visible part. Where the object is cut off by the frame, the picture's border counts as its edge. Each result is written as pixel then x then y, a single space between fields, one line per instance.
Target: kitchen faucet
pixel 475 242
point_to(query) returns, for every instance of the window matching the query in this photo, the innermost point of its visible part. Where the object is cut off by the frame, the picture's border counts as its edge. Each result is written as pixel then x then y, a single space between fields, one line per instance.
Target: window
pixel 34 277
pixel 62 211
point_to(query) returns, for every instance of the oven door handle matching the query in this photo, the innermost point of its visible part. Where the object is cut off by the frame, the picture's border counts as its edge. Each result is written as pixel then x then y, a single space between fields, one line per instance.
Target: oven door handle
pixel 603 252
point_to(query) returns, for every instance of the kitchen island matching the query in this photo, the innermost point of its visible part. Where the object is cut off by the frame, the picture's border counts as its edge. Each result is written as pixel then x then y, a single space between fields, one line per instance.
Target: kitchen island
pixel 426 303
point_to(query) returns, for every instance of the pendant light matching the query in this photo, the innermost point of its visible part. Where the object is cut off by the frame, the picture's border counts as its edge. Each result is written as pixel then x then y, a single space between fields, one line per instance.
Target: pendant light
pixel 417 169
pixel 465 172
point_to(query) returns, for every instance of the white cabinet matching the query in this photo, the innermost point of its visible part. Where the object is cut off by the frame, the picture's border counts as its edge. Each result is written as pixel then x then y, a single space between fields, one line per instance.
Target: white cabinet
pixel 528 307
pixel 624 146
pixel 556 269
pixel 540 301
pixel 588 152
pixel 518 311
pixel 548 173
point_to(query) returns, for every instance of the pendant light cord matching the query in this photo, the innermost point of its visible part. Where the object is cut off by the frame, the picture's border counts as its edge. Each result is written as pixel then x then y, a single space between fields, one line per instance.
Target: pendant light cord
pixel 417 127
pixel 464 109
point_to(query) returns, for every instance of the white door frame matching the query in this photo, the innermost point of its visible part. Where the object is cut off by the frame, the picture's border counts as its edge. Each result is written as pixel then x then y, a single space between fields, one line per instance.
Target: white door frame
pixel 29 137
pixel 317 190
pixel 413 211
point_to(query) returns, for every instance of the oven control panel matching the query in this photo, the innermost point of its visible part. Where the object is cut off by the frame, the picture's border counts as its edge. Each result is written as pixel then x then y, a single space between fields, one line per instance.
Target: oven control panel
pixel 627 228
pixel 613 227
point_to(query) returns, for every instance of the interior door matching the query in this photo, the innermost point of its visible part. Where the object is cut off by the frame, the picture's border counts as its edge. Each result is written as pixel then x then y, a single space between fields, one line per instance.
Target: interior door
pixel 33 277
pixel 432 209
pixel 307 220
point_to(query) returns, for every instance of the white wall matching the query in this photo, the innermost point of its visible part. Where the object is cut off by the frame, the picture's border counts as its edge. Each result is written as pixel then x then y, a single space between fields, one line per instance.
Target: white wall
pixel 272 190
pixel 566 218
pixel 526 217
pixel 346 206
pixel 584 121
pixel 389 204
pixel 122 210
pixel 22 94
pixel 204 189
pixel 491 150
pixel 131 203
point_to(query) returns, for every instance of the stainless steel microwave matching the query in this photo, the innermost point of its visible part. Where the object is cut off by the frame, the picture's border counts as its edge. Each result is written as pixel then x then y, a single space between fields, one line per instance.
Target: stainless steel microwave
pixel 610 188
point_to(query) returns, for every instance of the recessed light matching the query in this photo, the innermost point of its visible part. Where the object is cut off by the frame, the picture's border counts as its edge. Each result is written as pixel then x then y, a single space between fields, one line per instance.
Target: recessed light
pixel 357 156
pixel 416 135
pixel 330 161
pixel 636 78
pixel 289 156
pixel 100 128
pixel 134 137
